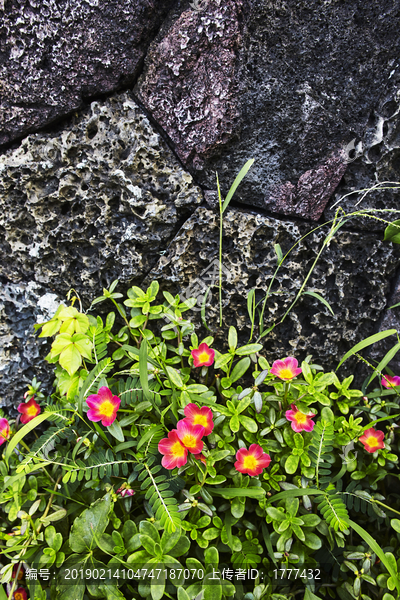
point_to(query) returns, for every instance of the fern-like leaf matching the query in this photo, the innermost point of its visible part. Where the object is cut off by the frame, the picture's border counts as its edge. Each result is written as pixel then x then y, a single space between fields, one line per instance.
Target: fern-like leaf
pixel 333 509
pixel 320 451
pixel 159 495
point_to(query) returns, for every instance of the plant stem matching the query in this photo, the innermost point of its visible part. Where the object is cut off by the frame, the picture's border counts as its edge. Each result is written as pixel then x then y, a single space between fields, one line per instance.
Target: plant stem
pixel 220 251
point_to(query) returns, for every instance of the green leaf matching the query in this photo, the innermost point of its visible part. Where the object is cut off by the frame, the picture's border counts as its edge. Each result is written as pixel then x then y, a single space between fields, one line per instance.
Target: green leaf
pixel 252 492
pixel 392 233
pixel 278 251
pixel 367 342
pixel 321 299
pixel 116 431
pixel 248 349
pixel 24 431
pixel 174 376
pixel 385 361
pixel 310 596
pixel 248 423
pixel 291 464
pixel 395 523
pixel 239 369
pixel 242 173
pixel 143 374
pixel 232 339
pixel 73 588
pixel 89 525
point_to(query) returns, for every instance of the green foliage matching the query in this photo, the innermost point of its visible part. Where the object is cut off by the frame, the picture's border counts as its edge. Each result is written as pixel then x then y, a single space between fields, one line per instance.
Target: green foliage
pixel 320 451
pixel 79 494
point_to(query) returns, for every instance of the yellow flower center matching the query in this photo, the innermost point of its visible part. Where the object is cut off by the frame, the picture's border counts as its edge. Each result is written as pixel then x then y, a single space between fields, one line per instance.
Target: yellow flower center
pixel 189 440
pixel 200 420
pixel 107 408
pixel 372 441
pixel 300 418
pixel 31 411
pixel 177 449
pixel 204 357
pixel 250 462
pixel 18 596
pixel 286 373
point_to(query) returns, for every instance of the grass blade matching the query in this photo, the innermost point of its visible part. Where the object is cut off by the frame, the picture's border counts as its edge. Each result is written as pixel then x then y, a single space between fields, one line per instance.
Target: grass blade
pixel 242 173
pixel 367 342
pixel 385 361
pixel 321 299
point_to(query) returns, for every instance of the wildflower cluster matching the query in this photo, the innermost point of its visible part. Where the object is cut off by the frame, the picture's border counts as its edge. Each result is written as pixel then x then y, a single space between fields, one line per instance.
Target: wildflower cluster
pixel 157 448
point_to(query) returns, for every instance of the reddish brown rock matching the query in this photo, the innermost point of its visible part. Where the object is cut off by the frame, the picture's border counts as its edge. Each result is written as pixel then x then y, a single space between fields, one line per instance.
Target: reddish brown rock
pixel 190 86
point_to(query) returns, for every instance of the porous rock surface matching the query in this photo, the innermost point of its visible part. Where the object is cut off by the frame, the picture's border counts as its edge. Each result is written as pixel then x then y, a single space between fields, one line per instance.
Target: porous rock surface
pixel 289 83
pixel 352 275
pixel 95 202
pixel 56 53
pixel 21 352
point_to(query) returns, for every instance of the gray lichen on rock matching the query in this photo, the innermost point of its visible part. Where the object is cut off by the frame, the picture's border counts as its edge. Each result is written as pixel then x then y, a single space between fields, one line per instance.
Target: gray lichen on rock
pixel 95 202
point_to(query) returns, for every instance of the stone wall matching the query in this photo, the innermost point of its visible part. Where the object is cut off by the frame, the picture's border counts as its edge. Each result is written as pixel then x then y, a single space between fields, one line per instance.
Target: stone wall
pixel 114 119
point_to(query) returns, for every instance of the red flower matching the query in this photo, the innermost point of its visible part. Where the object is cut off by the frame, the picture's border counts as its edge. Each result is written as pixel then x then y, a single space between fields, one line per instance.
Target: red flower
pixel 388 382
pixel 190 436
pixel 4 430
pixel 300 421
pixel 175 453
pixel 199 416
pixel 29 410
pixel 372 440
pixel 20 594
pixel 103 406
pixel 252 461
pixel 203 356
pixel 286 369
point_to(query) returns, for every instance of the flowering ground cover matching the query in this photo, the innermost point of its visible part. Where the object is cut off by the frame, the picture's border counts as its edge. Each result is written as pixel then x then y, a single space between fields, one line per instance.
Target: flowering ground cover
pixel 163 468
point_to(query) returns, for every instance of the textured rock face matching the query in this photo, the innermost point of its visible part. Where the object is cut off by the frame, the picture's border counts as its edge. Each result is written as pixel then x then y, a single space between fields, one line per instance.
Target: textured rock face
pixel 306 81
pixel 53 54
pixel 94 203
pixel 21 306
pixel 352 275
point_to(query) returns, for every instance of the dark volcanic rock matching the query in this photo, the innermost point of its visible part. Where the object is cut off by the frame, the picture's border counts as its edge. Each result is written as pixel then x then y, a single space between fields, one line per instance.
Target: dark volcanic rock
pixel 53 54
pixel 96 202
pixel 290 83
pixel 352 275
pixel 189 85
pixel 21 352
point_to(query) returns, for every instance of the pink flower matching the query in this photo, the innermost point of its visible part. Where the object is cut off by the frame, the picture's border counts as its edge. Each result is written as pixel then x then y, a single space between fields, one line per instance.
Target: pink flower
pixel 203 356
pixel 125 492
pixel 190 436
pixel 29 410
pixel 300 421
pixel 372 440
pixel 286 369
pixel 103 406
pixel 252 461
pixel 199 416
pixel 175 453
pixel 388 382
pixel 4 431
